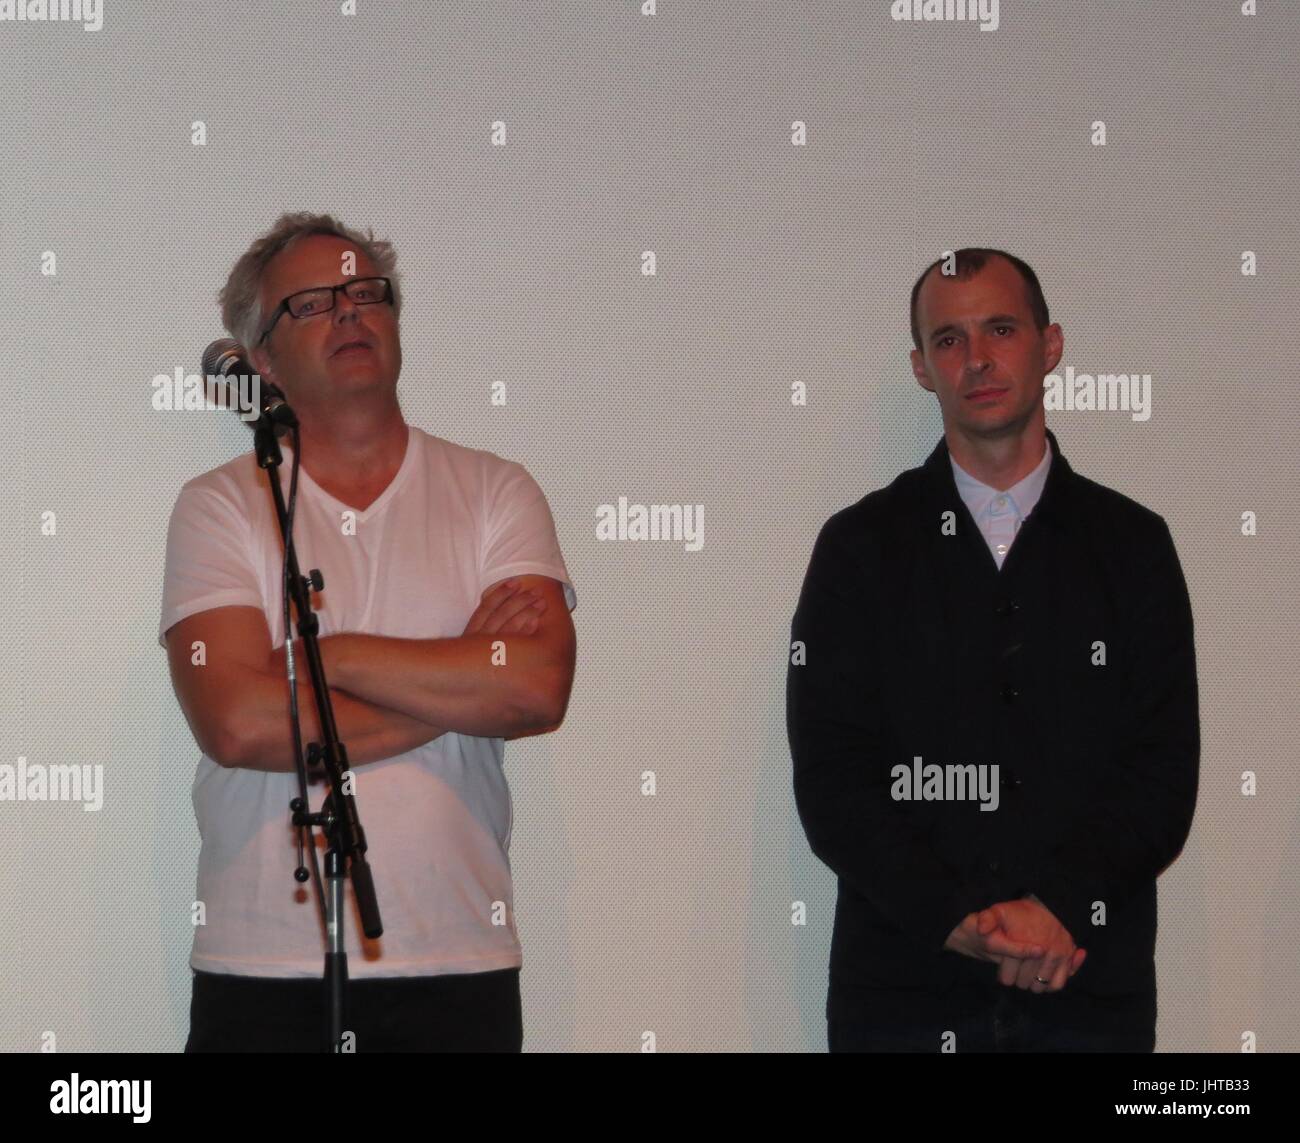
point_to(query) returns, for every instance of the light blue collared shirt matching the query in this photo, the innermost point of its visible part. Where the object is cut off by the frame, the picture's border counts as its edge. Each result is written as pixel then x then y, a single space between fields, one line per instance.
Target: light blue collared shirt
pixel 999 514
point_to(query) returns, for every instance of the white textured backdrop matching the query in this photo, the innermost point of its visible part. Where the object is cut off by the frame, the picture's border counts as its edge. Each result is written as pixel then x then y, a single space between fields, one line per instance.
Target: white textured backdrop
pixel 776 263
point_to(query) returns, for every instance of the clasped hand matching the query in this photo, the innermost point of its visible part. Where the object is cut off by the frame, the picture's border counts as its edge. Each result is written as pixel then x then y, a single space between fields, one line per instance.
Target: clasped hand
pixel 1024 939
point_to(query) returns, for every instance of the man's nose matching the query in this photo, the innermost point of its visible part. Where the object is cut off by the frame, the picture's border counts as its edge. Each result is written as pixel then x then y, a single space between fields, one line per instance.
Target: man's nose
pixel 977 356
pixel 345 309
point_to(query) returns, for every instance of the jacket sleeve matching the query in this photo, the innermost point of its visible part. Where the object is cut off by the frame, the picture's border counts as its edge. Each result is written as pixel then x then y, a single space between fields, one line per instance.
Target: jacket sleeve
pixel 1127 841
pixel 842 776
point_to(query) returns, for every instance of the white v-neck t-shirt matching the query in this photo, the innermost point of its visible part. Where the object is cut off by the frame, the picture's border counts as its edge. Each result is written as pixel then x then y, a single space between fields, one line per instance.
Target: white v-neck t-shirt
pixel 413 565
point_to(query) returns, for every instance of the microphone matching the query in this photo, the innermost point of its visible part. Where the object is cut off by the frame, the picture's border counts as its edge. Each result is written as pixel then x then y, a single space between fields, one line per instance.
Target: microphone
pixel 224 359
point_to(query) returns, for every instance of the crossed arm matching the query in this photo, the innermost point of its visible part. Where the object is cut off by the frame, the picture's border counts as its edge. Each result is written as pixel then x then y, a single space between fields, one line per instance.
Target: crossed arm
pixel 480 682
pixel 509 673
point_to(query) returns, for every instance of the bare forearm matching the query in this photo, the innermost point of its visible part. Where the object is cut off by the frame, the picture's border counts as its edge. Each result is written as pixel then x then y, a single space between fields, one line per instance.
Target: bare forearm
pixel 370 732
pixel 486 685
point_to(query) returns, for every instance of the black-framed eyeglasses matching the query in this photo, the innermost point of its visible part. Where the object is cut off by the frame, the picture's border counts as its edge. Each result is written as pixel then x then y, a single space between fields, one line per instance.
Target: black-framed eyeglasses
pixel 320 299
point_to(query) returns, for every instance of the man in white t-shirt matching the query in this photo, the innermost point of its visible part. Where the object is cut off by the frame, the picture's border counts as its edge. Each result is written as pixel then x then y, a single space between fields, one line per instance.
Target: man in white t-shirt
pixel 439 562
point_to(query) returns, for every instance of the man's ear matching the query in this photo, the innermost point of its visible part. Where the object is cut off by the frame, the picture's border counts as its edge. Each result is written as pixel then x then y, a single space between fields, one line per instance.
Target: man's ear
pixel 918 370
pixel 260 359
pixel 1054 339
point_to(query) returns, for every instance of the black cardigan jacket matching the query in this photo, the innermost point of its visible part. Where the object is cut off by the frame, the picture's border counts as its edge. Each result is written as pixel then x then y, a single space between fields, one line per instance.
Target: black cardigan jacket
pixel 917 644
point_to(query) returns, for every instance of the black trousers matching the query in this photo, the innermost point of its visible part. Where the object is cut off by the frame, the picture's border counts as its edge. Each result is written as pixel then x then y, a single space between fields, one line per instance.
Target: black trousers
pixel 991 1017
pixel 464 1012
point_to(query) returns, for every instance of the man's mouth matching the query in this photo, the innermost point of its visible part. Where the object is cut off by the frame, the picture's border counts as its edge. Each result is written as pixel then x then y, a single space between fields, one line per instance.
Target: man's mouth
pixel 351 347
pixel 983 394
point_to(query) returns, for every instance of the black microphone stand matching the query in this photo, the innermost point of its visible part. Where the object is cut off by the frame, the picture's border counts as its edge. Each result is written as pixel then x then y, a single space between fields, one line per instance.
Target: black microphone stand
pixel 338 819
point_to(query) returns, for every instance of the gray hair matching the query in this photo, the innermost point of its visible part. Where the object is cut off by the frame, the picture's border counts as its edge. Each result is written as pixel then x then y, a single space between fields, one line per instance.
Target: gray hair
pixel 241 296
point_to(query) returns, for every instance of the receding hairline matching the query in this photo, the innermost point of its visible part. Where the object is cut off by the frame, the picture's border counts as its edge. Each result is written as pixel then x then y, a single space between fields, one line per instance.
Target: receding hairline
pixel 966 272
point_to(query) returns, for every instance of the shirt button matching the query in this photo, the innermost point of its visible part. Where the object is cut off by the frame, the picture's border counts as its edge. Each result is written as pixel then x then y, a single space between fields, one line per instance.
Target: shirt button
pixel 1002 549
pixel 1000 502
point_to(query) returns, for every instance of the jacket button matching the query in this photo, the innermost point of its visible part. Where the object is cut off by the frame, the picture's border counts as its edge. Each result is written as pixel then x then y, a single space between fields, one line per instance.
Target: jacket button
pixel 1009 693
pixel 995 865
pixel 1007 607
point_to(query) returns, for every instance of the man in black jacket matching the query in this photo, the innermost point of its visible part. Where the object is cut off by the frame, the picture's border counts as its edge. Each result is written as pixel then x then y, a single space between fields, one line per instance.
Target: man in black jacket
pixel 992 710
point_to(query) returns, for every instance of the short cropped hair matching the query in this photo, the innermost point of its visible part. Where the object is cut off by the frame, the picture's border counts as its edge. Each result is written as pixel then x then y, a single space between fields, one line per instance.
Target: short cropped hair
pixel 968 262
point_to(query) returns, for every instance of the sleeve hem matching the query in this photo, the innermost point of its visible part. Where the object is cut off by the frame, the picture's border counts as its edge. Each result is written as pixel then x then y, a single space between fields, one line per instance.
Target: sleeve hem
pixel 205 603
pixel 532 567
